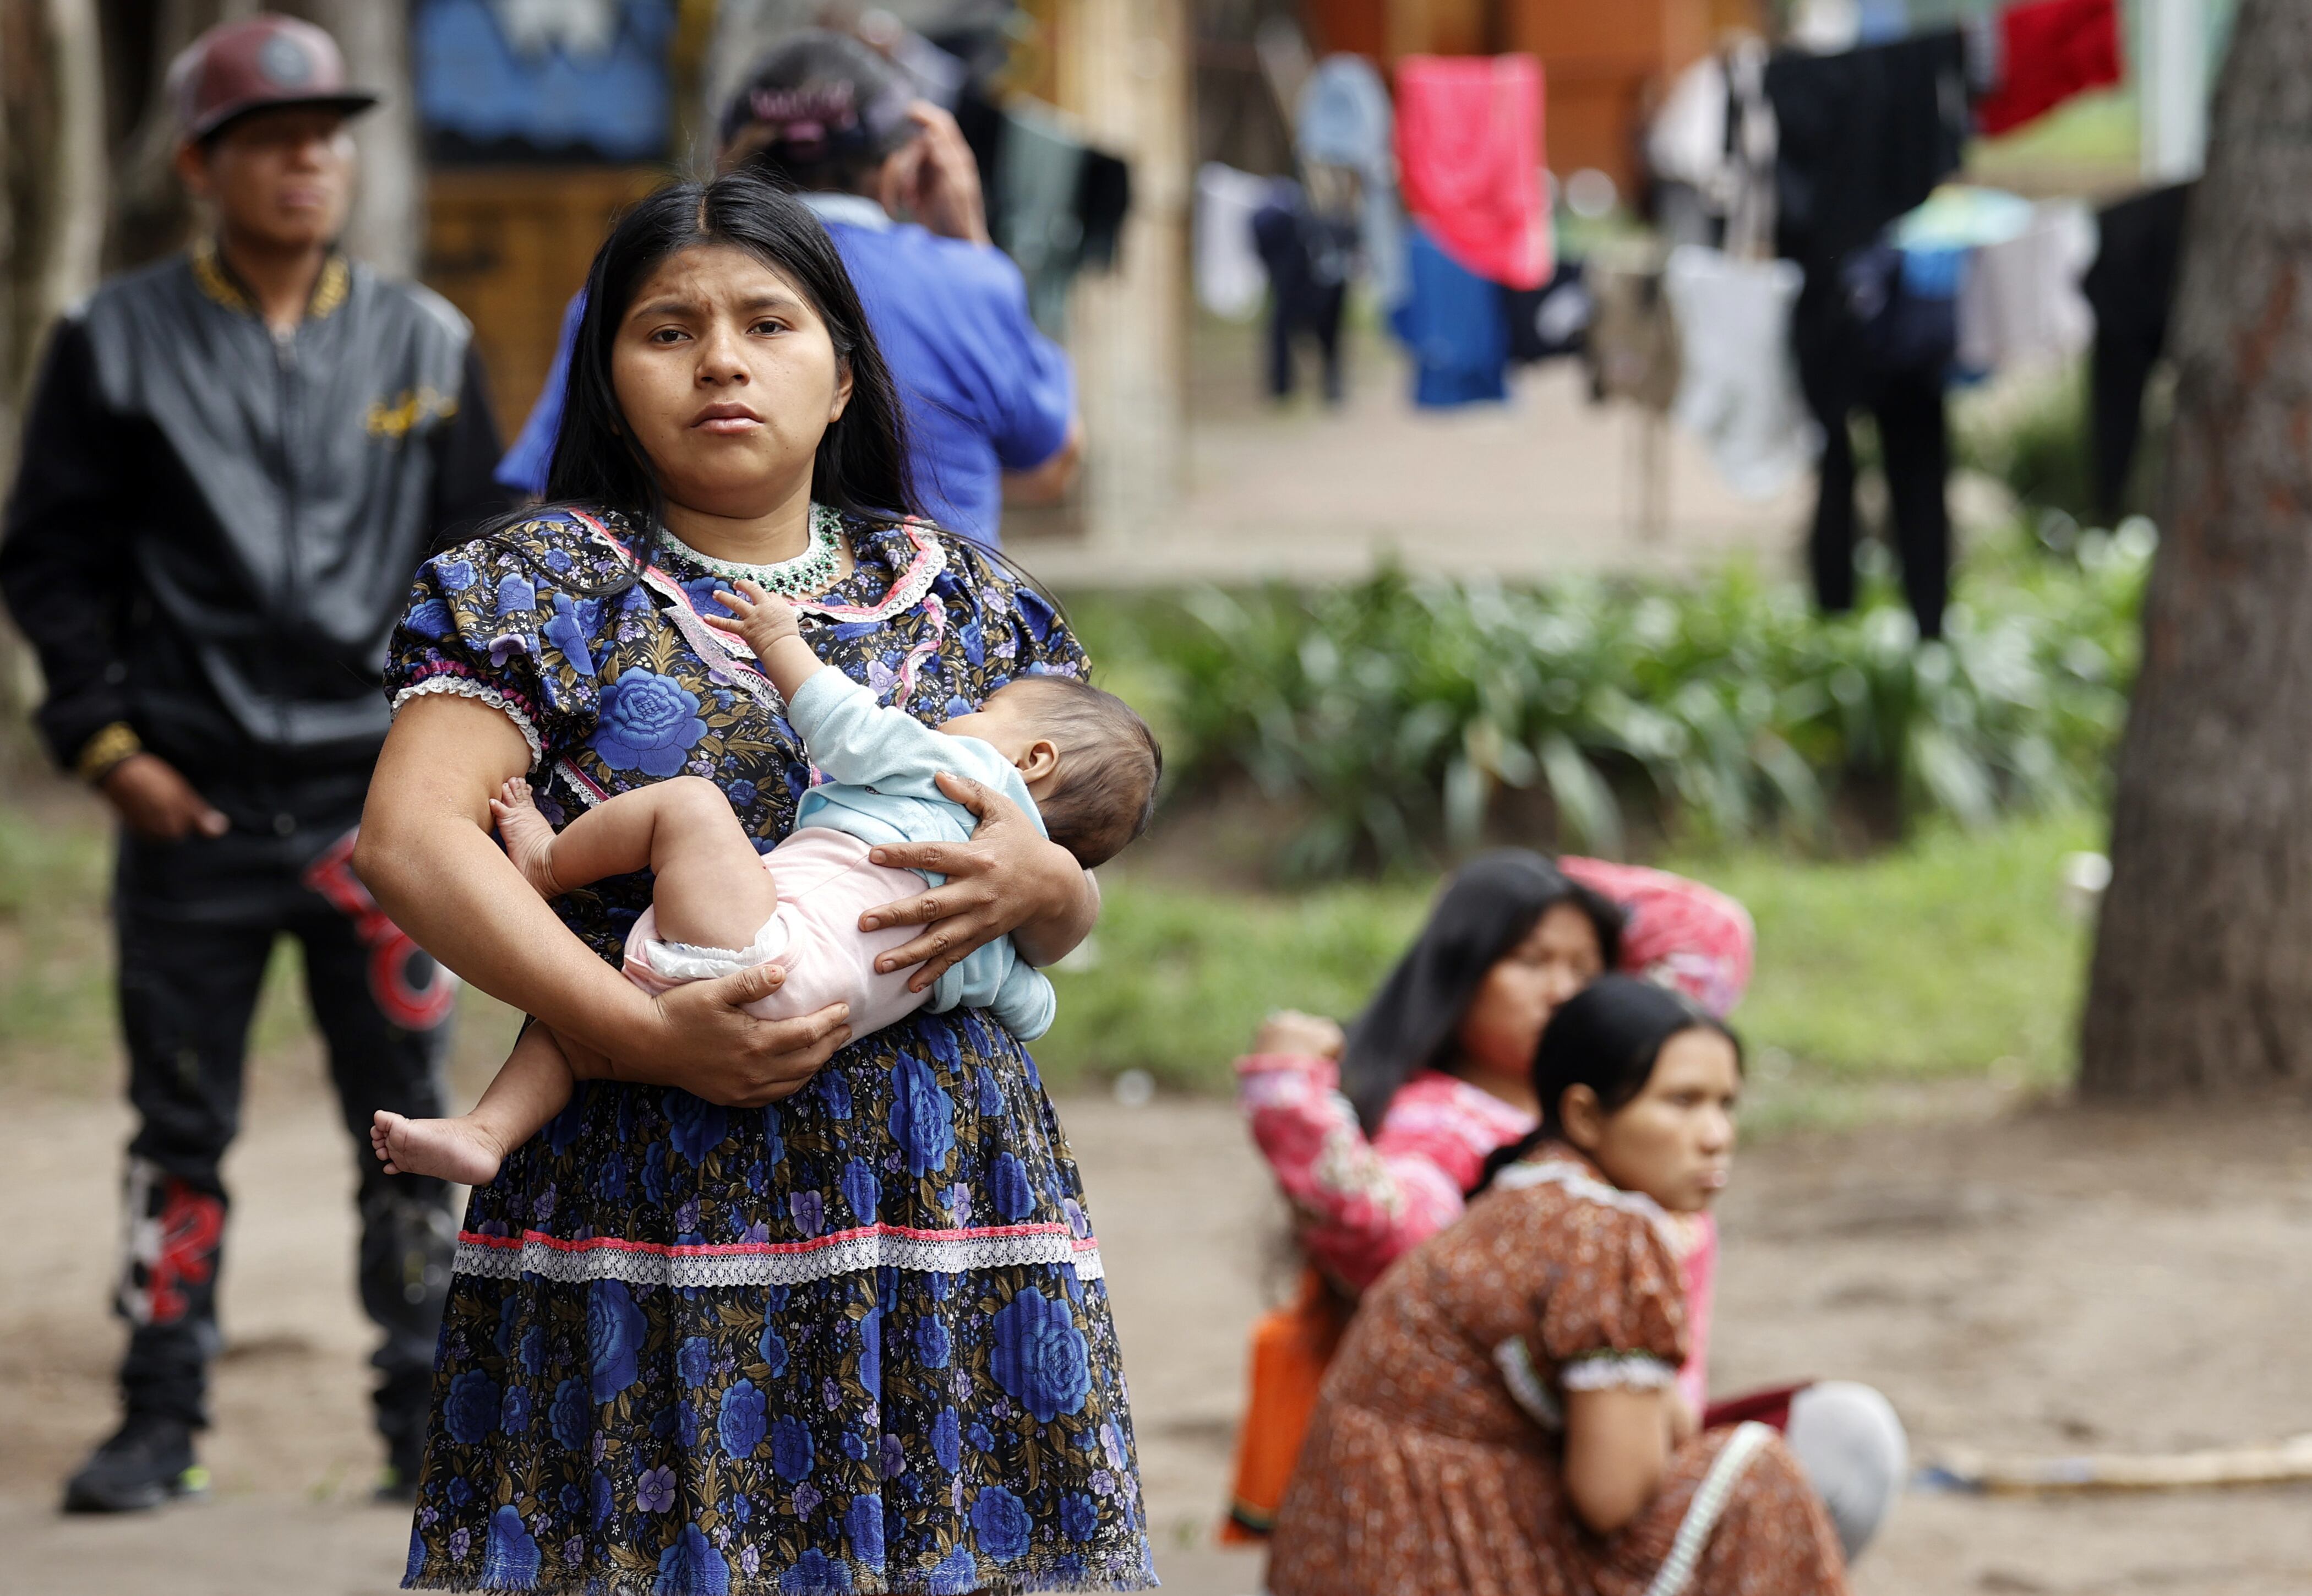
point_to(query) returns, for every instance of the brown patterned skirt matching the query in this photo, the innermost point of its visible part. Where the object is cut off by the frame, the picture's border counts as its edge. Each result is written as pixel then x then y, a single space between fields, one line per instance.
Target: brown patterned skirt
pixel 1380 1508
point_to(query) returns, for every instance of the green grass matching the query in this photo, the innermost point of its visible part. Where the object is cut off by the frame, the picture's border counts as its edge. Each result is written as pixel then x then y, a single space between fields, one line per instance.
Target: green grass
pixel 56 989
pixel 1950 958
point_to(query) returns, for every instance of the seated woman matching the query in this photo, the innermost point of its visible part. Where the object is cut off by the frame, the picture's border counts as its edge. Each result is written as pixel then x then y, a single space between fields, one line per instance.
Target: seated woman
pixel 1376 1137
pixel 1502 1414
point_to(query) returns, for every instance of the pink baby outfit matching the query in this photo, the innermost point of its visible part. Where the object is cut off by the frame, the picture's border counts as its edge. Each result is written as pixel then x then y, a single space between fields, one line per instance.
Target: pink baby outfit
pixel 825 882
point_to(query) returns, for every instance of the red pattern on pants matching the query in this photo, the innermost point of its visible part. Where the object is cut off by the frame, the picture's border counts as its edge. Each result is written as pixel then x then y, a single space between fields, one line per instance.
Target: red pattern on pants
pixel 173 1230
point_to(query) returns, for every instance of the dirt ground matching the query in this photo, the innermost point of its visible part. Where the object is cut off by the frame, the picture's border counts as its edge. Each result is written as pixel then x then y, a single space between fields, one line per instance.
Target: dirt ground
pixel 2048 1281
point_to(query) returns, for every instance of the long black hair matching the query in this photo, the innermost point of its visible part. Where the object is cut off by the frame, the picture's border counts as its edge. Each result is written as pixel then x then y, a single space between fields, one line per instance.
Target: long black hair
pixel 1489 907
pixel 862 465
pixel 1608 1037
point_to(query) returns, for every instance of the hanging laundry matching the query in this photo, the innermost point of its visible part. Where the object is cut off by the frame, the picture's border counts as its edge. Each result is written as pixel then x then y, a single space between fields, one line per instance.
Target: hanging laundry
pixel 1451 320
pixel 1345 119
pixel 1739 392
pixel 1902 306
pixel 1469 153
pixel 1055 205
pixel 2021 302
pixel 1964 216
pixel 1631 349
pixel 2050 50
pixel 1309 257
pixel 1715 135
pixel 1861 139
pixel 1880 340
pixel 2132 286
pixel 1103 200
pixel 1553 320
pixel 1231 281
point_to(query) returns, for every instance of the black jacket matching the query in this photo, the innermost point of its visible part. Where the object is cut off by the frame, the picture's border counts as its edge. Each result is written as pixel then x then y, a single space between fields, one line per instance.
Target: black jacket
pixel 213 531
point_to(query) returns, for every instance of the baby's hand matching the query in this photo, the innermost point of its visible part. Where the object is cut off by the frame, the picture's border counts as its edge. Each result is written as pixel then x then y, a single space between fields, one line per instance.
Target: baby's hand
pixel 760 617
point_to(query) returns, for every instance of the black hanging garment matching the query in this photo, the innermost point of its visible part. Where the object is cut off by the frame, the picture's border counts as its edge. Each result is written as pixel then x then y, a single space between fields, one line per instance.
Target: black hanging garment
pixel 1548 323
pixel 2132 286
pixel 1865 136
pixel 1310 257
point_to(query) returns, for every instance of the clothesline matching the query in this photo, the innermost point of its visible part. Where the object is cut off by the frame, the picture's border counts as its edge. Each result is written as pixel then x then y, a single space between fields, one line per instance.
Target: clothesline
pixel 1809 261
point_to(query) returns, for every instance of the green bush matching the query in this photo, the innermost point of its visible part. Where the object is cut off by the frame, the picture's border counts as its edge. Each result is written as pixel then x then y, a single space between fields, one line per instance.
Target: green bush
pixel 1951 957
pixel 1393 715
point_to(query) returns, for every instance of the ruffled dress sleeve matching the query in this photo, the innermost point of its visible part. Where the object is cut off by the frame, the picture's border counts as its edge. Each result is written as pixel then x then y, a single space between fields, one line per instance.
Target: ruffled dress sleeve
pixel 1614 1315
pixel 1361 1205
pixel 1009 628
pixel 1678 932
pixel 487 621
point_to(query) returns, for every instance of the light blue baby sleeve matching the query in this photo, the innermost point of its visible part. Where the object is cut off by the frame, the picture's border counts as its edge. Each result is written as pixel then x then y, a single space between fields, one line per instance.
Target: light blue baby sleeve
pixel 863 743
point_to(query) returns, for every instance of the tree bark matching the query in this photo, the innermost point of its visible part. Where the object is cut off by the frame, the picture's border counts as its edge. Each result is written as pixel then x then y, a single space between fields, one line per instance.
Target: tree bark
pixel 51 226
pixel 2203 974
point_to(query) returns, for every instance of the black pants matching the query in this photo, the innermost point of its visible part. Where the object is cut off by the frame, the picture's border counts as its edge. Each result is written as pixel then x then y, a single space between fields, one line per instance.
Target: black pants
pixel 1914 444
pixel 1306 300
pixel 197 922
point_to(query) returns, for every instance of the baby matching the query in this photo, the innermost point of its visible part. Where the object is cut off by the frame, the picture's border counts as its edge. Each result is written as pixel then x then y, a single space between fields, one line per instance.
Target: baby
pixel 1076 760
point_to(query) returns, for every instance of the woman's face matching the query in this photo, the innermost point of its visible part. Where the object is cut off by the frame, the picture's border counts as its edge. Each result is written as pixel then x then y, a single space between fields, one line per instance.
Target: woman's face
pixel 1503 1023
pixel 1675 1140
pixel 728 379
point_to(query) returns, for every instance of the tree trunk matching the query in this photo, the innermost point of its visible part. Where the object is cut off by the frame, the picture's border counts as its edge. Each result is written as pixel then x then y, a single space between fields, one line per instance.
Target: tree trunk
pixel 151 214
pixel 2203 975
pixel 51 225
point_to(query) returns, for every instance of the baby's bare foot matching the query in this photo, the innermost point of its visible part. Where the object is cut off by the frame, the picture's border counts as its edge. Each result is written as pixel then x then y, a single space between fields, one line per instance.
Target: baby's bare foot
pixel 458 1150
pixel 528 838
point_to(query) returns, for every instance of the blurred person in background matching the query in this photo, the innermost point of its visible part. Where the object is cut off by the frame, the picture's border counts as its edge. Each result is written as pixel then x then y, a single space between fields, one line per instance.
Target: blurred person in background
pixel 1380 1135
pixel 989 401
pixel 1502 1414
pixel 233 463
pixel 1376 1136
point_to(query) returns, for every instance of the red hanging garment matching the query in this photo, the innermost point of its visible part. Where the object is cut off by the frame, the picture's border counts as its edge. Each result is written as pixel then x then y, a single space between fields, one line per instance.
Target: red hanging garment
pixel 2050 50
pixel 1469 153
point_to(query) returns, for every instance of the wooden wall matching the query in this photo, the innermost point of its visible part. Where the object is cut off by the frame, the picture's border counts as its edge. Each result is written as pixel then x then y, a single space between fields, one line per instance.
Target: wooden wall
pixel 509 246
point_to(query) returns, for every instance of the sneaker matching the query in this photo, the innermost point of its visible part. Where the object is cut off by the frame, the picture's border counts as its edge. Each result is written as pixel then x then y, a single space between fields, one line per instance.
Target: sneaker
pixel 146 1461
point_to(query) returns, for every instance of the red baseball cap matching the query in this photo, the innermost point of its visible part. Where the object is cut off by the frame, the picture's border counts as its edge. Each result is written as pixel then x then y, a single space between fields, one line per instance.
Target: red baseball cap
pixel 259 64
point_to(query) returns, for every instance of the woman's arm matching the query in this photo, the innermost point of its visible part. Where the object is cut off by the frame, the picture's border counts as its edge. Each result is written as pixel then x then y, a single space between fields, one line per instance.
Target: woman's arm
pixel 427 854
pixel 1007 880
pixel 1618 1447
pixel 1359 1207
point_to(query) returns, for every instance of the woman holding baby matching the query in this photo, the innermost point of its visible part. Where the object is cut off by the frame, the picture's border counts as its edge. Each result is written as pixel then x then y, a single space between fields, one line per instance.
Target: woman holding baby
pixel 768 1306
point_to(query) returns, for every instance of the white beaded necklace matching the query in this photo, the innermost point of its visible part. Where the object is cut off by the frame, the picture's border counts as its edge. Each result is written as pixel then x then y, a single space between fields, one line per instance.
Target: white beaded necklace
pixel 810 573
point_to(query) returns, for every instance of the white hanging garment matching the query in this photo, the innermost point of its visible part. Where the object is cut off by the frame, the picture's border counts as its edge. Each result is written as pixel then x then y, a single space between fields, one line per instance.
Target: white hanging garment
pixel 1740 390
pixel 1231 281
pixel 1716 132
pixel 2021 302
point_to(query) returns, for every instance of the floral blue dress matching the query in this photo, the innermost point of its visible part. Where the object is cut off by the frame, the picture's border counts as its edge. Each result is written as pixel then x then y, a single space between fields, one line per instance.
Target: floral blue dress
pixel 857 1341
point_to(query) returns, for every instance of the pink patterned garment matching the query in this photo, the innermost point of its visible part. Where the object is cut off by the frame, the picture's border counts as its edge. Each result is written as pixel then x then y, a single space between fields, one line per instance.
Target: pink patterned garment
pixel 1362 1204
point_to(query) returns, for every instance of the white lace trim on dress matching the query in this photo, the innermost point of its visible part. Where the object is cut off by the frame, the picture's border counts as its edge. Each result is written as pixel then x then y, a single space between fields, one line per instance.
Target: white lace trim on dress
pixel 1527 1389
pixel 768 1264
pixel 466 687
pixel 1577 1181
pixel 1615 1371
pixel 1702 1514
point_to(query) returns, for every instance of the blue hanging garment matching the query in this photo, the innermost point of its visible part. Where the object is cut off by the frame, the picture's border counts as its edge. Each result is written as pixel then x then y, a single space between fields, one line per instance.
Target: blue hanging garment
pixel 1452 321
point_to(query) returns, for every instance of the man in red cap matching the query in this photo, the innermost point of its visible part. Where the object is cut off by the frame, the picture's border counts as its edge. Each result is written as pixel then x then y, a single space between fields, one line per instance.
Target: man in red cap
pixel 232 464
